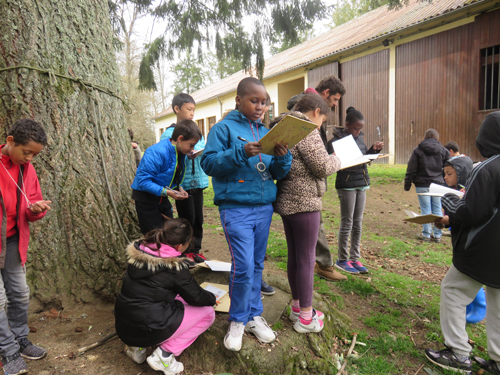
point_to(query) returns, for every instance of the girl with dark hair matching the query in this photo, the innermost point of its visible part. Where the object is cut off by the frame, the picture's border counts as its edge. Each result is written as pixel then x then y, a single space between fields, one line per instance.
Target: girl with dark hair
pixel 299 204
pixel 351 184
pixel 160 303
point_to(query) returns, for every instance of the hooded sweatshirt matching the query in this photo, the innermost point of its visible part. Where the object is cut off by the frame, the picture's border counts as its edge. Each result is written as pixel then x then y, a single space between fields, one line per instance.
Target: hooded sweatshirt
pixel 146 311
pixel 426 164
pixel 475 218
pixel 463 167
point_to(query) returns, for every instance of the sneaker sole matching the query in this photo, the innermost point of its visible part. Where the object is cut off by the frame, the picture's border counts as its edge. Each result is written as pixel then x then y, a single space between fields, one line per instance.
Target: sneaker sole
pixel 299 328
pixel 17 373
pixel 268 293
pixel 263 341
pixel 460 371
pixel 32 358
pixel 231 349
pixel 351 272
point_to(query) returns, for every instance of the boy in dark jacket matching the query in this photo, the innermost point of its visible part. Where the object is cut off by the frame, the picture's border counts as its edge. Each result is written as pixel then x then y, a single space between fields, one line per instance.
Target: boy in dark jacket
pixel 21 202
pixel 474 220
pixel 424 168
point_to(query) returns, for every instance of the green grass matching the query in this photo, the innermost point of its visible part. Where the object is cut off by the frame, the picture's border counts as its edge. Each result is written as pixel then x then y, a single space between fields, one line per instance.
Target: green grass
pixel 387 321
pixel 358 286
pixel 387 174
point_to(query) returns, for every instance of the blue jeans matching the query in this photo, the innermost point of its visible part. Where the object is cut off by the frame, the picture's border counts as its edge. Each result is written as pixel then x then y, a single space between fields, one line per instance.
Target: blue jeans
pixel 14 300
pixel 429 205
pixel 247 231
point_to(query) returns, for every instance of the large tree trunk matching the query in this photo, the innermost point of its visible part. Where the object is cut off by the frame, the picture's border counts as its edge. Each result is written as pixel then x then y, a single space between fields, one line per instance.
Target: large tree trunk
pixel 77 250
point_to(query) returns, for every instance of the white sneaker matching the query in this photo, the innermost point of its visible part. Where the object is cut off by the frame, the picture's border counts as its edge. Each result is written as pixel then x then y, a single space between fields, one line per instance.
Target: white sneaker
pixel 137 354
pixel 258 326
pixel 294 316
pixel 168 365
pixel 234 336
pixel 315 326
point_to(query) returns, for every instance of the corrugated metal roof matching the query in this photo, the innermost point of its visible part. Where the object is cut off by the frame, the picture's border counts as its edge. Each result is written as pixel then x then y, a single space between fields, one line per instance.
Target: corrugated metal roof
pixel 369 26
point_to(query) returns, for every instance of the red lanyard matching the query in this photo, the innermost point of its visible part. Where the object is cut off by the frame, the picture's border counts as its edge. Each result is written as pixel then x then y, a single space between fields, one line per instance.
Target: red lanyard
pixel 256 140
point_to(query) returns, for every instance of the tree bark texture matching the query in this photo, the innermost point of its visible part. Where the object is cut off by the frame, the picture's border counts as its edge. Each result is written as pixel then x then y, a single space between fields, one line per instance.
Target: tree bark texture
pixel 77 251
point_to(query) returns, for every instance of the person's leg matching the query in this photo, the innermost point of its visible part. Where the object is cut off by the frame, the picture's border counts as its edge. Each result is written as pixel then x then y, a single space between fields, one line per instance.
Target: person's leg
pixel 292 256
pixel 357 224
pixel 239 231
pixel 262 222
pixel 457 291
pixel 436 209
pixel 196 320
pixel 493 323
pixel 323 255
pixel 347 200
pixel 425 209
pixel 198 219
pixel 149 216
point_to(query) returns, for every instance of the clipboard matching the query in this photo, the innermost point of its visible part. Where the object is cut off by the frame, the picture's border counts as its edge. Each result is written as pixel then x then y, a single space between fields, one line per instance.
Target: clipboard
pixel 224 301
pixel 420 219
pixel 290 130
pixel 347 150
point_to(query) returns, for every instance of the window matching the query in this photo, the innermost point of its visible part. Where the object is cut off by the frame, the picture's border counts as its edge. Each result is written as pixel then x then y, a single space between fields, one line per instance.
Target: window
pixel 160 131
pixel 211 122
pixel 201 125
pixel 489 96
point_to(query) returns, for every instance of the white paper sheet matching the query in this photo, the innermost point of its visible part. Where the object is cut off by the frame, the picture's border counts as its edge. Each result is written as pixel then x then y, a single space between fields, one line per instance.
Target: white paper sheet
pixel 349 153
pixel 219 293
pixel 218 266
pixel 436 190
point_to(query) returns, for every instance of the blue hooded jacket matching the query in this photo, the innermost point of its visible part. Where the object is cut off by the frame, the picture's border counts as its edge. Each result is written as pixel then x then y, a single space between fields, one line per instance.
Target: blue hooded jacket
pixel 235 179
pixel 198 179
pixel 157 168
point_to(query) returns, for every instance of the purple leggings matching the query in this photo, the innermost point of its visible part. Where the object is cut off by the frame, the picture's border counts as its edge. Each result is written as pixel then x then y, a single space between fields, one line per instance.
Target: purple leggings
pixel 301 231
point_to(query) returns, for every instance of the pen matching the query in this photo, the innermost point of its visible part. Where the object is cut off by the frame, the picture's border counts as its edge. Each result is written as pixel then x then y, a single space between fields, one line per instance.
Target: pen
pixel 243 139
pixel 461 186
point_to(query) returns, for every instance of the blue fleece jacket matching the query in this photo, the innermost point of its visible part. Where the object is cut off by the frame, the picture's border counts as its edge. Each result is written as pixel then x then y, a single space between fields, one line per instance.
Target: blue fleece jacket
pixel 235 179
pixel 198 179
pixel 157 168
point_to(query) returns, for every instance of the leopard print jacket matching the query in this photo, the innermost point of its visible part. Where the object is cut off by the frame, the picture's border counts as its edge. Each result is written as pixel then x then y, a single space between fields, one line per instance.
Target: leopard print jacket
pixel 302 188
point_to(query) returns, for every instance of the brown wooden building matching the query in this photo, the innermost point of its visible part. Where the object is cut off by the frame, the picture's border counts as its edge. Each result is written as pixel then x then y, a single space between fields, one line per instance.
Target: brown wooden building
pixel 427 65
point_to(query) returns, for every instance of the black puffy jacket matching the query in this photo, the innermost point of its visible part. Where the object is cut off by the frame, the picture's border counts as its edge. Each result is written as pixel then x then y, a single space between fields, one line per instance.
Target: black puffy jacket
pixel 146 311
pixel 356 176
pixel 426 164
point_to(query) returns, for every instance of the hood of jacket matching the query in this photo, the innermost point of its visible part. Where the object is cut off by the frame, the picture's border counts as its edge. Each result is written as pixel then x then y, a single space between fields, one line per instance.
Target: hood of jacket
pixel 147 261
pixel 463 167
pixel 430 146
pixel 488 139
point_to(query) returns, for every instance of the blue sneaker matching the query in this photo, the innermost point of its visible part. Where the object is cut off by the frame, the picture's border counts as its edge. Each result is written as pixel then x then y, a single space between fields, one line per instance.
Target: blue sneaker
pixel 346 266
pixel 357 264
pixel 266 289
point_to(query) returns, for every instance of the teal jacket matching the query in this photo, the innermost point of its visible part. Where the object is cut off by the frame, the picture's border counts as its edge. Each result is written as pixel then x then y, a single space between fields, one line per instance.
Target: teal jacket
pixel 157 168
pixel 235 179
pixel 194 177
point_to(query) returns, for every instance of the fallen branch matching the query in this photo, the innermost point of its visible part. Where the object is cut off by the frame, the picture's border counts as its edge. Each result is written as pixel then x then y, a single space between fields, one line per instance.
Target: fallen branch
pixel 95 344
pixel 420 368
pixel 349 352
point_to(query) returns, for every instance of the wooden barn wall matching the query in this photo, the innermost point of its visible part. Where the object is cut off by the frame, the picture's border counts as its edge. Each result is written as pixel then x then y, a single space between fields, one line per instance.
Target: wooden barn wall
pixel 313 78
pixel 437 86
pixel 366 80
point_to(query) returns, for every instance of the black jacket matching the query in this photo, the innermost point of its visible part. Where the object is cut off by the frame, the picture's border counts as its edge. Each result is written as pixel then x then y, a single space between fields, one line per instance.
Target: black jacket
pixel 356 176
pixel 426 164
pixel 475 219
pixel 146 312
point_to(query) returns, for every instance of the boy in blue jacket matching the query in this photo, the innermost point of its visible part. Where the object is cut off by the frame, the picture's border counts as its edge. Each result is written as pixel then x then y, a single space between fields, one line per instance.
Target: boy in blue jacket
pixel 195 180
pixel 244 190
pixel 160 175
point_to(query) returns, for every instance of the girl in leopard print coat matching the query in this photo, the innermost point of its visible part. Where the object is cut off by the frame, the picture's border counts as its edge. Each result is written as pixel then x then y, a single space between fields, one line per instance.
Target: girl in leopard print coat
pixel 299 204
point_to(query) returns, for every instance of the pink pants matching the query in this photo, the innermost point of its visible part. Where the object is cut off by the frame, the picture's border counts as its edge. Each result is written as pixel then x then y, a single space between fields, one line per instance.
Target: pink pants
pixel 196 321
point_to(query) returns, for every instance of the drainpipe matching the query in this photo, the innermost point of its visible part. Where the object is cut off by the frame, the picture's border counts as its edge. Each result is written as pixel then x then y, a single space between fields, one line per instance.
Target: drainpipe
pixel 220 106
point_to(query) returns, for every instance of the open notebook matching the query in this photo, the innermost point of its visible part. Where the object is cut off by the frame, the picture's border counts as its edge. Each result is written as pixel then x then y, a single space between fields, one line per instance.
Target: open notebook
pixel 436 190
pixel 349 153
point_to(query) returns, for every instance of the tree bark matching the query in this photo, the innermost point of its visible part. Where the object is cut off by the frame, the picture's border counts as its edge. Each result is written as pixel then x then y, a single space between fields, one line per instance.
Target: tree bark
pixel 77 251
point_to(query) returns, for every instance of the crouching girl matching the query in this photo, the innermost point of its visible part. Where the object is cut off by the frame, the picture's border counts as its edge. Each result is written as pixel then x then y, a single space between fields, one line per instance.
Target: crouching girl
pixel 160 303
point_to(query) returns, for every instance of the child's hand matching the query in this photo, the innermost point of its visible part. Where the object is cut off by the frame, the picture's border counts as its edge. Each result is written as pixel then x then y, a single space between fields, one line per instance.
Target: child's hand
pixel 253 148
pixel 40 207
pixel 442 222
pixel 191 155
pixel 280 150
pixel 378 146
pixel 176 195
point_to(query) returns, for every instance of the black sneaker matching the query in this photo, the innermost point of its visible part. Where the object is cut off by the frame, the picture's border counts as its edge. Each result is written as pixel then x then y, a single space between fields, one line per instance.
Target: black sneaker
pixel 14 365
pixel 266 289
pixel 491 367
pixel 448 360
pixel 29 350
